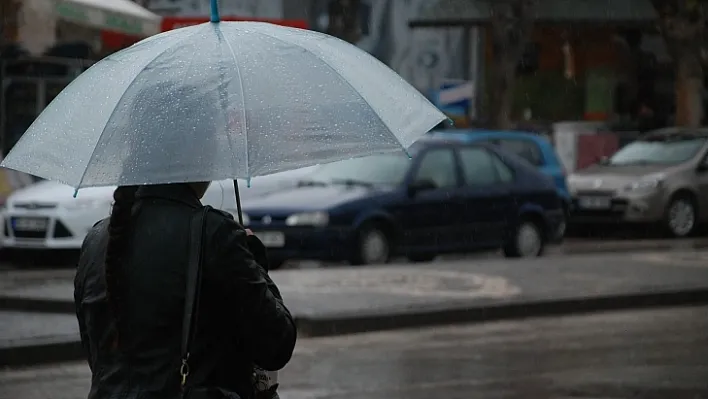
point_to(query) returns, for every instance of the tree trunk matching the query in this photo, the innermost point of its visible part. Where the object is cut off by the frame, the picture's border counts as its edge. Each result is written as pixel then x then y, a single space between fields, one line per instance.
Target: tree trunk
pixel 344 20
pixel 682 24
pixel 9 22
pixel 510 25
pixel 501 96
pixel 689 88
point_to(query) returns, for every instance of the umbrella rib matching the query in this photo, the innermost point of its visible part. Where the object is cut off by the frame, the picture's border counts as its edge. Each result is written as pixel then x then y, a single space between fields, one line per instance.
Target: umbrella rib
pixel 244 128
pixel 333 69
pixel 103 131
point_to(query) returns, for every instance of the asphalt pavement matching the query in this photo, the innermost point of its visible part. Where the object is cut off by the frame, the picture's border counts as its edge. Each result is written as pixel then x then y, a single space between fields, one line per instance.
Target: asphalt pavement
pixel 649 354
pixel 27 259
pixel 37 321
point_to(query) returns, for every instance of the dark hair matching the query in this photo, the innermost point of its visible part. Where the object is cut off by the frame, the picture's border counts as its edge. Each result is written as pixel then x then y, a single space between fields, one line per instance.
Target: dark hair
pixel 118 238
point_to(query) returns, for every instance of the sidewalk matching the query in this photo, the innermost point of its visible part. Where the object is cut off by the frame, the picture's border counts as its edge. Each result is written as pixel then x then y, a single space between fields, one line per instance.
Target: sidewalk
pixel 649 354
pixel 348 300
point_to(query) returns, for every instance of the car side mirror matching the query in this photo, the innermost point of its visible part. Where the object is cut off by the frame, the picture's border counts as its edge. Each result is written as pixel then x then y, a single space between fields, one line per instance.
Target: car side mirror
pixel 421 185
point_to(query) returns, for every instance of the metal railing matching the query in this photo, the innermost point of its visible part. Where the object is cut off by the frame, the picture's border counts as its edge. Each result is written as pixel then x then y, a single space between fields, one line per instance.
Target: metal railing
pixel 28 84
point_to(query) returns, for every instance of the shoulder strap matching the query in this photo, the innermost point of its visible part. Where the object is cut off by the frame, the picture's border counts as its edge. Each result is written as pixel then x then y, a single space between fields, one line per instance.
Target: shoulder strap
pixel 191 298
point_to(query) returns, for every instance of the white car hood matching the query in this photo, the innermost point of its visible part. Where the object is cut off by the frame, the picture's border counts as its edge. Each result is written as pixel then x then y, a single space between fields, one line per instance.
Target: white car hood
pixel 50 191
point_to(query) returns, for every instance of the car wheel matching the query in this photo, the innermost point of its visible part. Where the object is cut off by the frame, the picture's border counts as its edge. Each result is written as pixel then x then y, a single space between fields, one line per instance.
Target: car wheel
pixel 527 241
pixel 421 258
pixel 373 246
pixel 681 216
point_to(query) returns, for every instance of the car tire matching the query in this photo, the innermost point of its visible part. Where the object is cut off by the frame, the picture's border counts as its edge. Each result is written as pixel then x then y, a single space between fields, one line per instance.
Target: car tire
pixel 526 241
pixel 421 258
pixel 372 245
pixel 681 216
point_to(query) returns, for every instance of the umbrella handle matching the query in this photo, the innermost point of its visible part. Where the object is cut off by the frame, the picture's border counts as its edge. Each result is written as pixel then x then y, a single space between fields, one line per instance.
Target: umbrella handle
pixel 215 18
pixel 238 200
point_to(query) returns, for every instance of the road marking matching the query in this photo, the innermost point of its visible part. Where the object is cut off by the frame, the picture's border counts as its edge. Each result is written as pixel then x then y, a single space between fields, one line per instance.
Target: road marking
pixel 399 281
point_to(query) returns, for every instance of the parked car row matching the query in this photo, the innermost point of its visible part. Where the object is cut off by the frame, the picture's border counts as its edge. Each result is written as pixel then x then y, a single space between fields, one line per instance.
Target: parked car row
pixel 457 193
pixel 461 191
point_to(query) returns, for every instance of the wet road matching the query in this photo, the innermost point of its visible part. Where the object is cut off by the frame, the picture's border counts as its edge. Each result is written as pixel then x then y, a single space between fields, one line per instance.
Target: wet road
pixel 643 354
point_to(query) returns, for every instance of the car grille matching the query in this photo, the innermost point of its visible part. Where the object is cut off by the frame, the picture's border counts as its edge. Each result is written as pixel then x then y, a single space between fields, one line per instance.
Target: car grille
pixel 595 193
pixel 34 205
pixel 617 210
pixel 61 231
pixel 267 219
pixel 28 233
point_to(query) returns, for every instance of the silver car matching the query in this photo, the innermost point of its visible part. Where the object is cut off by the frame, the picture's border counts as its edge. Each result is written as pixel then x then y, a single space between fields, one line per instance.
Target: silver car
pixel 662 177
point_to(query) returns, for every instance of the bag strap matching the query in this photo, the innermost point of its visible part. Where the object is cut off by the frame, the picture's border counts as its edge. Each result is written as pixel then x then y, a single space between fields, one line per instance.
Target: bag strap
pixel 191 297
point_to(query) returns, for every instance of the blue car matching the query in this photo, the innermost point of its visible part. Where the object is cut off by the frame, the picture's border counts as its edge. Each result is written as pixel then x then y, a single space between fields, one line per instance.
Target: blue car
pixel 534 148
pixel 450 197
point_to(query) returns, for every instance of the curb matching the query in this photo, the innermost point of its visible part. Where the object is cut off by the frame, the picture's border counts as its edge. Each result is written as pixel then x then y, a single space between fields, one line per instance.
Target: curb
pixel 33 305
pixel 352 324
pixel 590 247
pixel 30 354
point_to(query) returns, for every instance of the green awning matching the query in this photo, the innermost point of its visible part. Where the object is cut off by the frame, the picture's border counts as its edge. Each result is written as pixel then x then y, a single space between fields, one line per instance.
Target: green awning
pixel 122 16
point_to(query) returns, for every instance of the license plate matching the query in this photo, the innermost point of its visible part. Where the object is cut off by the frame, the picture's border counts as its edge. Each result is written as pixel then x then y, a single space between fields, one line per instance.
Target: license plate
pixel 272 239
pixel 30 224
pixel 595 202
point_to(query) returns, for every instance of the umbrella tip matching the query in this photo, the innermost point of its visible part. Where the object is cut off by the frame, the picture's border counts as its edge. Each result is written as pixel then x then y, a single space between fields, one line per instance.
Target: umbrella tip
pixel 248 183
pixel 450 122
pixel 215 11
pixel 76 192
pixel 408 153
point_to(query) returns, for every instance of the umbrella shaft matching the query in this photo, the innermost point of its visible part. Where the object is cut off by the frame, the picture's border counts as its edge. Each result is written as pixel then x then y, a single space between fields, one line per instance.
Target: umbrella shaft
pixel 238 202
pixel 215 11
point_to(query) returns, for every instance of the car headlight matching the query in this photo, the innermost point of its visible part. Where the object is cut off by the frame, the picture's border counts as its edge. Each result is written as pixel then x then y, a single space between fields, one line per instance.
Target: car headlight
pixel 308 219
pixel 573 180
pixel 80 204
pixel 644 185
pixel 234 213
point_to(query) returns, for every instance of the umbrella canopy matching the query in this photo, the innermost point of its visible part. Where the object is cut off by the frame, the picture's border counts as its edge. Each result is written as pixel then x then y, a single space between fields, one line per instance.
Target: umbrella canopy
pixel 221 101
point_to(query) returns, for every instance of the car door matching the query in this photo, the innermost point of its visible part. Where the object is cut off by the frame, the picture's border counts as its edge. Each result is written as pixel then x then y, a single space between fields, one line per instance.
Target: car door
pixel 428 216
pixel 487 203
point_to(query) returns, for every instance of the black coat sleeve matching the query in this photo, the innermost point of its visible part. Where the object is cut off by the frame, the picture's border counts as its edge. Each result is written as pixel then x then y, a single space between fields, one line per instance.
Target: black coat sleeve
pixel 83 334
pixel 90 241
pixel 268 330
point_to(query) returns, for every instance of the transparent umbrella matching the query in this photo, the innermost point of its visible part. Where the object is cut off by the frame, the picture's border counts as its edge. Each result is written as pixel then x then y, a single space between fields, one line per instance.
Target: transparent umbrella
pixel 221 101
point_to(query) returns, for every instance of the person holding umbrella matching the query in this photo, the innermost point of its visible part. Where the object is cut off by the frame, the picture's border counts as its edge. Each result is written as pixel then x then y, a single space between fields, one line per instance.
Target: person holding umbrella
pixel 132 273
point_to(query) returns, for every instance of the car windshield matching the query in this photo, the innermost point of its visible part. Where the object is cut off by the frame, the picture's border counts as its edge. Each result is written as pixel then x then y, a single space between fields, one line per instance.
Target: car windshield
pixel 658 152
pixel 371 170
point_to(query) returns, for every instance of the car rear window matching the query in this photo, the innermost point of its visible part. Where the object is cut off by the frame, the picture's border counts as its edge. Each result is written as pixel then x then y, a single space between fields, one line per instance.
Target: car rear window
pixel 526 149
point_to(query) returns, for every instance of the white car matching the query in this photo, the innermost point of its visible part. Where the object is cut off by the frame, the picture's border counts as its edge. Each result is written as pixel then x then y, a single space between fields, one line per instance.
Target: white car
pixel 45 215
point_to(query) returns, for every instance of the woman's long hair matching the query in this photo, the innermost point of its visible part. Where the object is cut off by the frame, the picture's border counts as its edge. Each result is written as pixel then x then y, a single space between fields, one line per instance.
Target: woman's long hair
pixel 118 238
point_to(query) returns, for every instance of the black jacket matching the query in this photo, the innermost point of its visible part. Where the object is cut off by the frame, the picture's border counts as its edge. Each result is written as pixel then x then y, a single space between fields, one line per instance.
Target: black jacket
pixel 241 318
